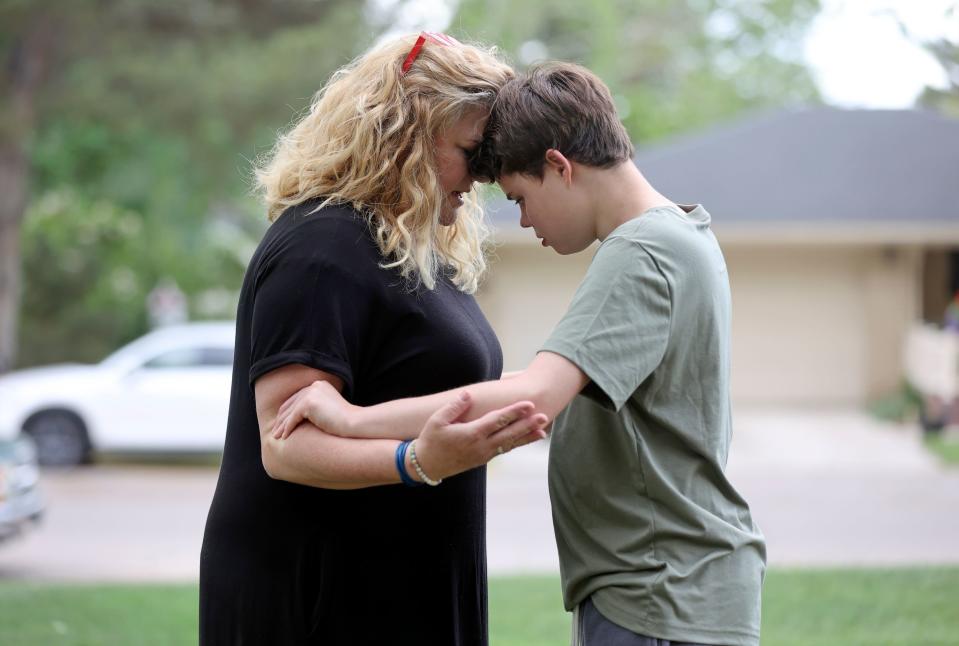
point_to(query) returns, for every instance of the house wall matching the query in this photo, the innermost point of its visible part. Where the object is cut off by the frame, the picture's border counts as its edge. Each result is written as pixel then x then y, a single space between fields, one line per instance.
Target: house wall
pixel 812 324
pixel 526 293
pixel 820 324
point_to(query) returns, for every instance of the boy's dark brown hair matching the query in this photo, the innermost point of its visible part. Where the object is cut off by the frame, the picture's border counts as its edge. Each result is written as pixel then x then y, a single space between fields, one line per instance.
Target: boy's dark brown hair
pixel 553 105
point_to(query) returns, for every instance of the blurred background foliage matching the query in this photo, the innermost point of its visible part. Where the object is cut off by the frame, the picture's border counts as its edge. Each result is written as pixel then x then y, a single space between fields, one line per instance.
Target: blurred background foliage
pixel 673 65
pixel 128 127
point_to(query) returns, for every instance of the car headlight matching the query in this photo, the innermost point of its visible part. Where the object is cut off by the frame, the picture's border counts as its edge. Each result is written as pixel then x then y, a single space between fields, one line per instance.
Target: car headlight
pixel 19 472
pixel 25 473
pixel 24 450
pixel 8 418
pixel 24 477
pixel 5 488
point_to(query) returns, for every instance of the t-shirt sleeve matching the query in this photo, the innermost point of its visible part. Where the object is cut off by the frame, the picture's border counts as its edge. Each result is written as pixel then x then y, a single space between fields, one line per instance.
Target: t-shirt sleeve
pixel 310 309
pixel 616 329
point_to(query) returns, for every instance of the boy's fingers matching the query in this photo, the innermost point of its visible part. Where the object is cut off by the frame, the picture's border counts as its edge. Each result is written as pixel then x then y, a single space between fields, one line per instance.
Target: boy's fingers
pixel 285 406
pixel 284 424
pixel 293 420
pixel 277 423
pixel 278 426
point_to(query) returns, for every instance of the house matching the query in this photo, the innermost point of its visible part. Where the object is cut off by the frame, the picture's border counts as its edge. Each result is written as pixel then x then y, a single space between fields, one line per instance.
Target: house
pixel 840 230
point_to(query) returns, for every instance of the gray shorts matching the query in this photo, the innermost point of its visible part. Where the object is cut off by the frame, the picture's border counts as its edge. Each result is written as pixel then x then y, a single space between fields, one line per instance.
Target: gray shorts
pixel 590 628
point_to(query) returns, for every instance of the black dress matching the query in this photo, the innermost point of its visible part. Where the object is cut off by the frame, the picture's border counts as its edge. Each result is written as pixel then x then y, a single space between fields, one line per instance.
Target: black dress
pixel 286 564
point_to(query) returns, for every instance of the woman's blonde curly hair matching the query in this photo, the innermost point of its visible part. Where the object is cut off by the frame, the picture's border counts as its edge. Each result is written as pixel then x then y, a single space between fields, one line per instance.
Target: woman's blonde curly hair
pixel 368 140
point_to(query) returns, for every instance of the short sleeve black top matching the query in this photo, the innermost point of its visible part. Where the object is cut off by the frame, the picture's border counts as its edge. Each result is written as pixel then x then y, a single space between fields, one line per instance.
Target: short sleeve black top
pixel 288 564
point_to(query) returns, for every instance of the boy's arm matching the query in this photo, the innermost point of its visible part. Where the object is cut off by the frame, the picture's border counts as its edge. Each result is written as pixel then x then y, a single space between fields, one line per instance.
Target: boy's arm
pixel 550 383
pixel 446 446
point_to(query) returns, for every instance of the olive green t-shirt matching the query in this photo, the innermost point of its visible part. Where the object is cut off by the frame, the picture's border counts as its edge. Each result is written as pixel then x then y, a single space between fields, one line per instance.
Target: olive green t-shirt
pixel 646 521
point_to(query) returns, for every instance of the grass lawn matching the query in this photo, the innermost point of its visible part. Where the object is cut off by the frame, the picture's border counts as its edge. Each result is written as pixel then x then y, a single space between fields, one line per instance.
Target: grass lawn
pixel 946 446
pixel 801 607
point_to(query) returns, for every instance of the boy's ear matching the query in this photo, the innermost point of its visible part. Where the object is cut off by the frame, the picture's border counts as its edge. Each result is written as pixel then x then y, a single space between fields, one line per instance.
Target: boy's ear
pixel 558 163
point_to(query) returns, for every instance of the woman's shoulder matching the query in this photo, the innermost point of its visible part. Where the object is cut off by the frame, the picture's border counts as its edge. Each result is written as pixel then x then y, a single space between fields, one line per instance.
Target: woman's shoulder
pixel 330 234
pixel 326 219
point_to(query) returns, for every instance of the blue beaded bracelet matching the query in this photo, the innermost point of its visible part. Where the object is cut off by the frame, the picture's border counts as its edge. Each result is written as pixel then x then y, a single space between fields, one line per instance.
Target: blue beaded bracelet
pixel 401 465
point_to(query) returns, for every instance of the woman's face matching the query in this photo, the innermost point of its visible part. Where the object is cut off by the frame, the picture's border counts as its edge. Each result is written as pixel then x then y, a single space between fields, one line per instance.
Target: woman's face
pixel 453 146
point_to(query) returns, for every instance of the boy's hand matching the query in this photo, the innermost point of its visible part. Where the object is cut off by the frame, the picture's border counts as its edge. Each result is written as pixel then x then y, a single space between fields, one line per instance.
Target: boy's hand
pixel 319 403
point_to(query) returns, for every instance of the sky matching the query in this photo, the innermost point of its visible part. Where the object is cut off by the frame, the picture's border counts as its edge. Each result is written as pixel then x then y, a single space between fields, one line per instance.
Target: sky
pixel 855 49
pixel 860 58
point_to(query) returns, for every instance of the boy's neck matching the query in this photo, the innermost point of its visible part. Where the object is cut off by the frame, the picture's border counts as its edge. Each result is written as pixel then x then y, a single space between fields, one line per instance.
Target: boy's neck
pixel 620 194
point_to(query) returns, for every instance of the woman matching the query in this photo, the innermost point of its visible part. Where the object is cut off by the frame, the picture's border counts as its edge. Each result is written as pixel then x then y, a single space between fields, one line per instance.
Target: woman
pixel 364 281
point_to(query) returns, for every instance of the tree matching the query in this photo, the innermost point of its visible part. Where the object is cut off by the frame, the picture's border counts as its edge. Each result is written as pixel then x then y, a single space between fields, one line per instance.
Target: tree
pixel 672 65
pixel 946 52
pixel 178 84
pixel 27 39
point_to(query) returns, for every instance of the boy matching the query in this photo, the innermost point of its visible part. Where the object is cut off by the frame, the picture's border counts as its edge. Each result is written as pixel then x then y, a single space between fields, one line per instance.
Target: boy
pixel 654 542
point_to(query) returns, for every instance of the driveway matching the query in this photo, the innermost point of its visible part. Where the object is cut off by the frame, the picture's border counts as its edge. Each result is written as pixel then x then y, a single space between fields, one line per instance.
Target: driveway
pixel 828 488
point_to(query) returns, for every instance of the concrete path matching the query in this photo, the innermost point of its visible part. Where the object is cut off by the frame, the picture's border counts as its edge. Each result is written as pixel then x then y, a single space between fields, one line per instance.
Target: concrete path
pixel 839 488
pixel 827 488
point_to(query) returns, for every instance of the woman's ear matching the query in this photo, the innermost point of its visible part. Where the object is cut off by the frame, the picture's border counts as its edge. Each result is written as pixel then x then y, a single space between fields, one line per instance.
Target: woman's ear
pixel 558 163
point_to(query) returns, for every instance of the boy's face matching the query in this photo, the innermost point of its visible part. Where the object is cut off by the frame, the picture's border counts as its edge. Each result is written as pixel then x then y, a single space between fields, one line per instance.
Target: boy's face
pixel 553 207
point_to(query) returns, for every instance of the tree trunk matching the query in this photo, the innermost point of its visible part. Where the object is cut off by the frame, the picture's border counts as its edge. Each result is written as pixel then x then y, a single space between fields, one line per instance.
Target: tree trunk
pixel 26 62
pixel 13 191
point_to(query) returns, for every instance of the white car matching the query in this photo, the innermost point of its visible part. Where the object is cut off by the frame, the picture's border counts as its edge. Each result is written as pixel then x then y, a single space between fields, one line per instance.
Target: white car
pixel 168 391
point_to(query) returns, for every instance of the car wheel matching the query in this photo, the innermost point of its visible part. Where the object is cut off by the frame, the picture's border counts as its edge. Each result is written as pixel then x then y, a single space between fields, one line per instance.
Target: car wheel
pixel 60 437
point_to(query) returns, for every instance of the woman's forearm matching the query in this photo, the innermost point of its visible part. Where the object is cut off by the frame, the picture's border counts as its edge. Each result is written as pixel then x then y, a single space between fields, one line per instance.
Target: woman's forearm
pixel 313 458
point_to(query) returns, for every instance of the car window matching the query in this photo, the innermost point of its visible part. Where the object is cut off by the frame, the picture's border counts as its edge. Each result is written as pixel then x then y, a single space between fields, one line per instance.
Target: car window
pixel 217 357
pixel 192 358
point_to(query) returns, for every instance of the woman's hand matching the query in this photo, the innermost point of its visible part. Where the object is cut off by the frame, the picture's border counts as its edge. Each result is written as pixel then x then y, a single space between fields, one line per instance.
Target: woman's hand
pixel 447 446
pixel 319 403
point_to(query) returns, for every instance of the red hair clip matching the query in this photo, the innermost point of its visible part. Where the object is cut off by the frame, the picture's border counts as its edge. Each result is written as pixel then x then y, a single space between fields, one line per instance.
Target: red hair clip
pixel 436 37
